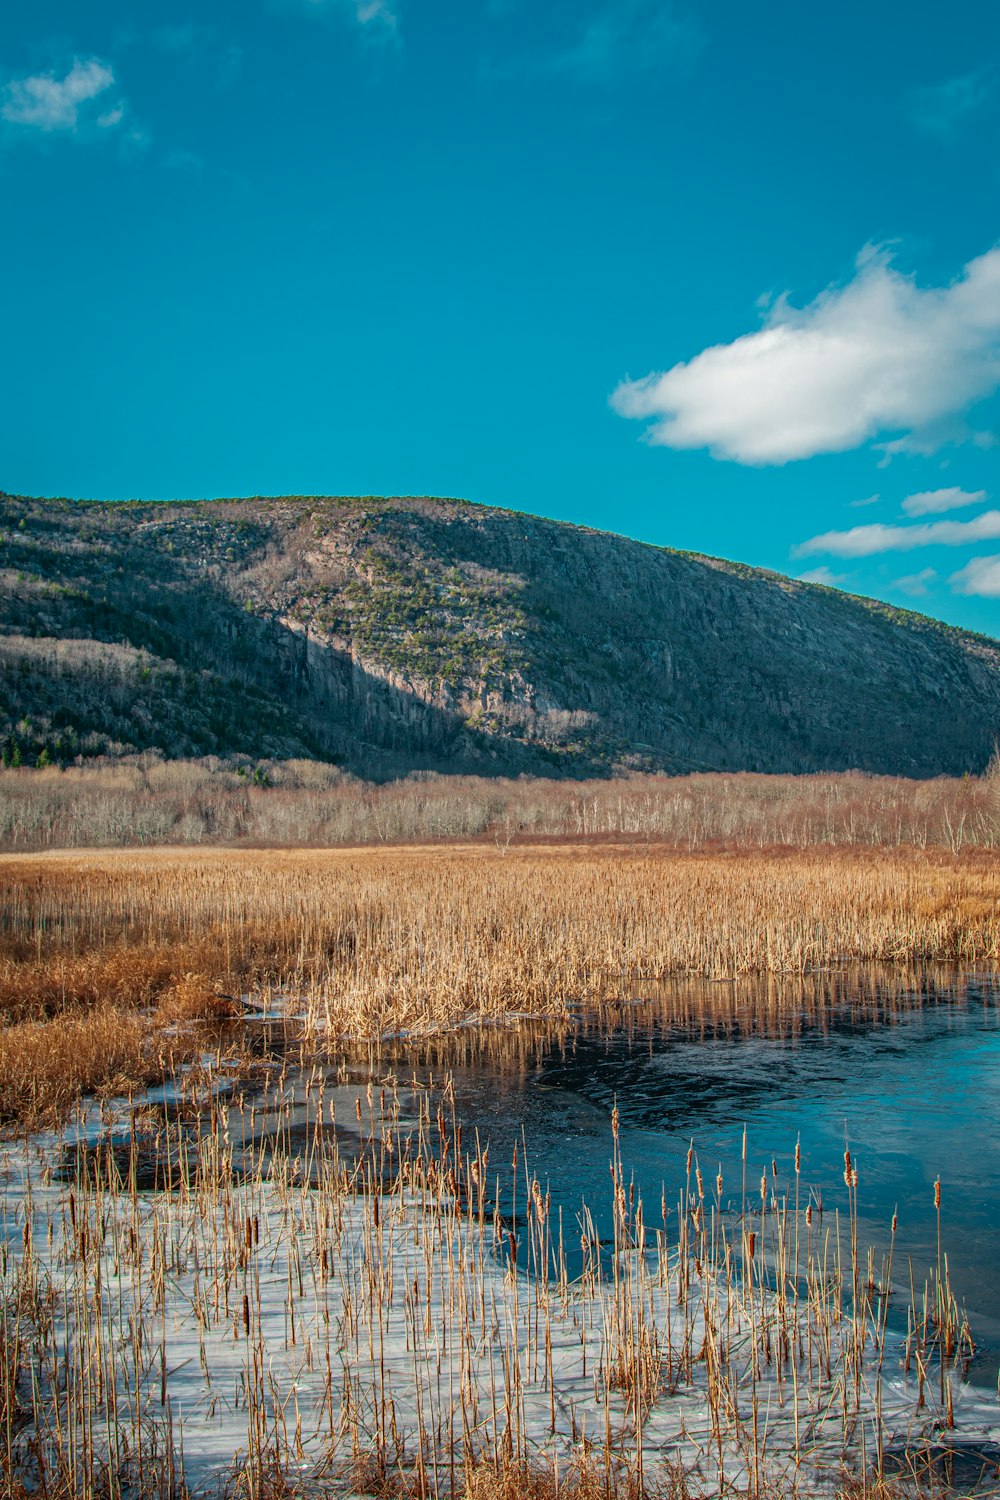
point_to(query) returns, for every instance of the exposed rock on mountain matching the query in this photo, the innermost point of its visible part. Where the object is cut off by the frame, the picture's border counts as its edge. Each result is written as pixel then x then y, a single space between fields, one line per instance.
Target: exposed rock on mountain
pixel 392 635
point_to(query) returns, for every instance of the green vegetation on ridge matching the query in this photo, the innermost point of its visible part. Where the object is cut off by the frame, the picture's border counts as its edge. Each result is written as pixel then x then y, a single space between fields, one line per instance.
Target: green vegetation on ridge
pixel 389 635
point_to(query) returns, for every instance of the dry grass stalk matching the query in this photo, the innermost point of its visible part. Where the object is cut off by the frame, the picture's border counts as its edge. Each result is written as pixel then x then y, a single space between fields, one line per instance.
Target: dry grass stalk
pixel 370 942
pixel 46 1067
pixel 403 1317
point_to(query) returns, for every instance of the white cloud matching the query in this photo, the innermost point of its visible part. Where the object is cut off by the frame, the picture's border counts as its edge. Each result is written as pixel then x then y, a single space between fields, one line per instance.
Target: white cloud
pixel 916 583
pixel 936 502
pixel 868 500
pixel 924 443
pixel 865 541
pixel 612 38
pixel 374 13
pixel 822 575
pixel 375 18
pixel 942 109
pixel 48 103
pixel 627 36
pixel 980 576
pixel 880 354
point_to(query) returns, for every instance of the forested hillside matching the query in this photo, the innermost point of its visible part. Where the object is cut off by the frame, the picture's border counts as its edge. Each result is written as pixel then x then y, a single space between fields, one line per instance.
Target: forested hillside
pixel 392 635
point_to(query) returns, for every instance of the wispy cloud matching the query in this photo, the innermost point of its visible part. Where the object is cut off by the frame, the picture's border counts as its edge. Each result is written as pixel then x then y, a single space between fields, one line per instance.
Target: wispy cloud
pixel 822 575
pixel 866 541
pixel 626 37
pixel 936 502
pixel 377 20
pixel 185 36
pixel 178 159
pixel 915 584
pixel 610 40
pixel 200 45
pixel 863 504
pixel 880 354
pixel 376 13
pixel 51 104
pixel 981 577
pixel 944 108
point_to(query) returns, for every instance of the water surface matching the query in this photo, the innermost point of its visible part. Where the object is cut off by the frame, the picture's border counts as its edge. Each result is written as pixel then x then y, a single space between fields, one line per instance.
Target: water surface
pixel 902 1068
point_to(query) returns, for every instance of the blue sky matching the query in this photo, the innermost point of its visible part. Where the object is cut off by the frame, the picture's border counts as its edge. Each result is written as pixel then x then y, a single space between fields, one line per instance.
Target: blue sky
pixel 718 276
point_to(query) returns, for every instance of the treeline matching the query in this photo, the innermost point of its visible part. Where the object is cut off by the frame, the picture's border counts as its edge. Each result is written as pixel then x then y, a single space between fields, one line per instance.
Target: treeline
pixel 145 800
pixel 63 701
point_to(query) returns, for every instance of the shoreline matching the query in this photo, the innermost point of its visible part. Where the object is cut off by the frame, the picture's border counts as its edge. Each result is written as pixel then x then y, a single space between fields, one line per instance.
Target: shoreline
pixel 110 961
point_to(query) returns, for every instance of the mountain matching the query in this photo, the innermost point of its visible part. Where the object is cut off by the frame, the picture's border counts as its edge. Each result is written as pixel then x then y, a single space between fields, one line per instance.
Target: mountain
pixel 392 635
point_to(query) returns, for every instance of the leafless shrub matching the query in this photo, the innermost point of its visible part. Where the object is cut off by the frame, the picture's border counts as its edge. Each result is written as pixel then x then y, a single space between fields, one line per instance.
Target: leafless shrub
pixel 150 801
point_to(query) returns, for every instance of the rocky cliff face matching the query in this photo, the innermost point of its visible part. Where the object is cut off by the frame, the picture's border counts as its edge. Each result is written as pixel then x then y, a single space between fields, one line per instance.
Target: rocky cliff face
pixel 393 635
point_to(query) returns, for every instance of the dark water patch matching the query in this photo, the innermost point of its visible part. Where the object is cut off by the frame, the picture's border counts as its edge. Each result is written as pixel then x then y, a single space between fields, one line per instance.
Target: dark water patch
pixel 969 1468
pixel 901 1067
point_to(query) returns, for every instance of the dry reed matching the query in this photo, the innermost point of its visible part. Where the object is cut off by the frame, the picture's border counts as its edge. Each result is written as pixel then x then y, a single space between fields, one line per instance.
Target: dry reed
pixel 373 1305
pixel 366 943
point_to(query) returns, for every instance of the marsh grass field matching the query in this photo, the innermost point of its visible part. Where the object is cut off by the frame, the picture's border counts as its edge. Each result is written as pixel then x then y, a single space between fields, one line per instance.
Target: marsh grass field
pixel 218 1277
pixel 104 955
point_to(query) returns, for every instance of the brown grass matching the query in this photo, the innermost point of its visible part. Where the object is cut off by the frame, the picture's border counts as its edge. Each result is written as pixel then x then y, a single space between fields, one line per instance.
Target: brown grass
pixel 47 1066
pixel 195 998
pixel 35 989
pixel 373 941
pixel 586 1478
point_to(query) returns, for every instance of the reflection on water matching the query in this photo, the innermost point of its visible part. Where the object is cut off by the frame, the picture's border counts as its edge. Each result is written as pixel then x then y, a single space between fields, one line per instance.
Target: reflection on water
pixel 903 1066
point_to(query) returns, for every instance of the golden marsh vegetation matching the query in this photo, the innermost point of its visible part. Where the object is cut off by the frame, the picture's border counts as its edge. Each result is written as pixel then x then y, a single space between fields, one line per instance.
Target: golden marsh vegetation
pixel 107 957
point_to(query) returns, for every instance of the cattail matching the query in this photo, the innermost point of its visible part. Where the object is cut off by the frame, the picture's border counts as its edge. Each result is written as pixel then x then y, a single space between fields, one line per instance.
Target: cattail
pixel 847 1168
pixel 798 1157
pixel 937 1192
